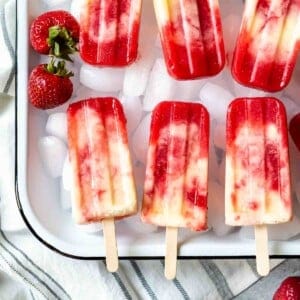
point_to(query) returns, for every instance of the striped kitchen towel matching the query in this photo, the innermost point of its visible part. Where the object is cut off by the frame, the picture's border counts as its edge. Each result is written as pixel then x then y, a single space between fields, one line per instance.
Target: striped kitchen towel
pixel 47 275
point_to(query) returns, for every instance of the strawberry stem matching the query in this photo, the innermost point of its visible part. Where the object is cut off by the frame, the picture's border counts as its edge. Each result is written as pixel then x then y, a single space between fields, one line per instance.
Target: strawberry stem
pixel 61 43
pixel 58 69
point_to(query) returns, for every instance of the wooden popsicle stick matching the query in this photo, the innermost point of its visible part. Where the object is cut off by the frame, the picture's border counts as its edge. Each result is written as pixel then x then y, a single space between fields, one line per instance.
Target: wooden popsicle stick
pixel 111 251
pixel 171 252
pixel 262 251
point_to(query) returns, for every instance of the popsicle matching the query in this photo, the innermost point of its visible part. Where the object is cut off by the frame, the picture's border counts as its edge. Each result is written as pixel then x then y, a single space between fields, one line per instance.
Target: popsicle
pixel 268 43
pixel 109 31
pixel 103 185
pixel 257 179
pixel 191 37
pixel 175 189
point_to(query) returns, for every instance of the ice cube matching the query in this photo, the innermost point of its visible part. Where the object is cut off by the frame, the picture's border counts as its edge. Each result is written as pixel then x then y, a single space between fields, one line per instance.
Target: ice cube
pixel 216 99
pixel 67 174
pixel 243 91
pixel 77 60
pixel 57 4
pixel 76 8
pixel 223 80
pixel 140 139
pixel 188 89
pixel 133 111
pixel 216 209
pixel 229 7
pixel 84 92
pixel 75 78
pixel 53 152
pixel 102 79
pixel 160 86
pixel 57 125
pixel 231 26
pixel 221 171
pixel 219 135
pixel 35 8
pixel 139 174
pixel 213 163
pixel 135 223
pixel 65 197
pixel 292 90
pixel 90 228
pixel 44 59
pixel 276 232
pixel 158 42
pixel 58 109
pixel 137 74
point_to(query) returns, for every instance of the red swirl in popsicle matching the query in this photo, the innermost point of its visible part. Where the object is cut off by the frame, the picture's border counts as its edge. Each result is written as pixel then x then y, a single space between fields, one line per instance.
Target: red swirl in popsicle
pixel 257 181
pixel 175 190
pixel 103 185
pixel 109 31
pixel 268 44
pixel 191 36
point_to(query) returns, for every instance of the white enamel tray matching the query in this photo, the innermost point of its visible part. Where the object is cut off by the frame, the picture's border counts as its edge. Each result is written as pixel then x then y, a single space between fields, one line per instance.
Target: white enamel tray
pixel 38 194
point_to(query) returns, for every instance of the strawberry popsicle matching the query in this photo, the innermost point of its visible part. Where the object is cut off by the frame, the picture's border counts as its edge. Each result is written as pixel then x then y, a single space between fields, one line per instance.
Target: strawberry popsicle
pixel 191 36
pixel 175 190
pixel 257 179
pixel 103 185
pixel 257 163
pixel 268 44
pixel 109 31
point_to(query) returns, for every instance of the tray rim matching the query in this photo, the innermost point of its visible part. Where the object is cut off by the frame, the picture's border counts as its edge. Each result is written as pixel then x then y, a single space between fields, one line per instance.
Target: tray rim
pixel 78 257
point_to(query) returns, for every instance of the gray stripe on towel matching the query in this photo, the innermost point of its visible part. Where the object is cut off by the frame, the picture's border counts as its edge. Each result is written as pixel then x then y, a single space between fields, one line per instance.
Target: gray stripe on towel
pixel 178 285
pixel 120 283
pixel 265 287
pixel 218 279
pixel 41 281
pixel 143 280
pixel 122 286
pixel 34 264
pixel 10 79
pixel 21 275
pixel 252 265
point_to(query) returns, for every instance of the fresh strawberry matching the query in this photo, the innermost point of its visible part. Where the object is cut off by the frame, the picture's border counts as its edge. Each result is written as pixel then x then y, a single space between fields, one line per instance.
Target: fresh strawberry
pixel 56 33
pixel 294 129
pixel 50 85
pixel 288 290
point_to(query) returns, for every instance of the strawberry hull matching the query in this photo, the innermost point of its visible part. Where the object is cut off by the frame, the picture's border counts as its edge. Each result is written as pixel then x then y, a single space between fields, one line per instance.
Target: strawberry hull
pixel 191 36
pixel 268 44
pixel 175 191
pixel 39 30
pixel 109 32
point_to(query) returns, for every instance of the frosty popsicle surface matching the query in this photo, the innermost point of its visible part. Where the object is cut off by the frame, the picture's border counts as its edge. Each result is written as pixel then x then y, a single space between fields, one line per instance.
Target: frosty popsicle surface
pixel 191 36
pixel 257 181
pixel 109 31
pixel 103 185
pixel 175 191
pixel 268 43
